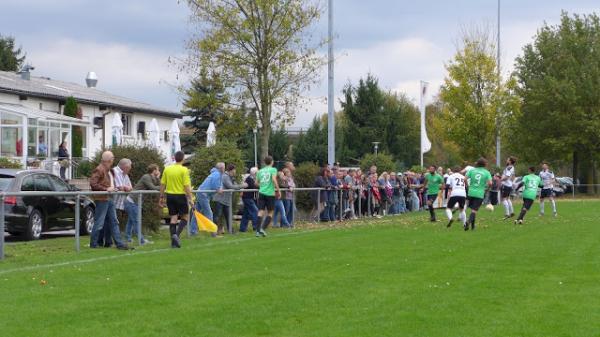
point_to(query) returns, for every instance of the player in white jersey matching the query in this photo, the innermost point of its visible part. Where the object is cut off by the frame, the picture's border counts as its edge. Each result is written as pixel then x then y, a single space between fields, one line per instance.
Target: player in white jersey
pixel 508 179
pixel 457 184
pixel 548 180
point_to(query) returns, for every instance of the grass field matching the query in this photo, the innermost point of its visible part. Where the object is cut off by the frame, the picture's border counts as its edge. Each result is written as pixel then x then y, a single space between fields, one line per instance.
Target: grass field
pixel 399 276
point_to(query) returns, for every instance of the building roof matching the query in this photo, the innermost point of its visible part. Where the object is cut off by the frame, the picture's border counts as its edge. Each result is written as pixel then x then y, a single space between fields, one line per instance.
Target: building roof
pixel 43 87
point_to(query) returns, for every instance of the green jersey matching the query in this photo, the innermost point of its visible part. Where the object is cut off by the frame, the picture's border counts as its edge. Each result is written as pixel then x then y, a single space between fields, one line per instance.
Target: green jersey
pixel 478 179
pixel 434 181
pixel 531 182
pixel 265 180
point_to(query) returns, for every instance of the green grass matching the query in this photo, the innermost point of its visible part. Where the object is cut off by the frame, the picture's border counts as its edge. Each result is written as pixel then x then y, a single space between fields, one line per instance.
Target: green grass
pixel 400 276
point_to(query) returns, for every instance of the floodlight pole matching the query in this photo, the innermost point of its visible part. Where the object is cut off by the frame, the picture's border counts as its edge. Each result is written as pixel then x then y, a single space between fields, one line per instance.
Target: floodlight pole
pixel 330 112
pixel 498 149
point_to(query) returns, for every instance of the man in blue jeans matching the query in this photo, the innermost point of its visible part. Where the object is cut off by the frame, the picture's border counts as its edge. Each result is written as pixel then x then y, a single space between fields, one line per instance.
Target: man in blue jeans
pixel 105 215
pixel 212 183
pixel 249 200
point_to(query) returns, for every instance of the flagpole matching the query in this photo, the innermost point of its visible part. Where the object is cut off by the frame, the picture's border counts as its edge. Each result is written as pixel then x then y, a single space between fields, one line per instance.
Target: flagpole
pixel 421 124
pixel 422 113
pixel 498 148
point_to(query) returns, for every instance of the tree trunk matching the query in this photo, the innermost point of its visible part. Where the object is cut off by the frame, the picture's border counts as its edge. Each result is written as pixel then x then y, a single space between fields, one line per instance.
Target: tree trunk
pixel 265 132
pixel 265 135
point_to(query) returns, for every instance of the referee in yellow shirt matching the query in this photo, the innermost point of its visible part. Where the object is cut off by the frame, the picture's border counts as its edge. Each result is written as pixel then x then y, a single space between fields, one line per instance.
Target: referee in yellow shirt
pixel 176 183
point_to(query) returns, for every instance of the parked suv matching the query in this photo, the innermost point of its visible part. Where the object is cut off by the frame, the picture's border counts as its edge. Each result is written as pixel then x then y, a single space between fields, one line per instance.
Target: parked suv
pixel 29 216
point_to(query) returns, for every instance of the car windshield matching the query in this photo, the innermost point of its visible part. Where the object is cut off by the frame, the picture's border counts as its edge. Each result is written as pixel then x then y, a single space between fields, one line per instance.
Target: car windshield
pixel 5 181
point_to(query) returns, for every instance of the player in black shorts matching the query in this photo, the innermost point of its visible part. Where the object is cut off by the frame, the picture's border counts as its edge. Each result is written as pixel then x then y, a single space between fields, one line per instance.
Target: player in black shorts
pixel 508 179
pixel 267 192
pixel 457 184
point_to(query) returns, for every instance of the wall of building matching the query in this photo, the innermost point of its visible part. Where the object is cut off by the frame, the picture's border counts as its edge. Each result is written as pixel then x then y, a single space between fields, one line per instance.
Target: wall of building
pixel 164 124
pixel 94 140
pixel 46 104
pixel 9 98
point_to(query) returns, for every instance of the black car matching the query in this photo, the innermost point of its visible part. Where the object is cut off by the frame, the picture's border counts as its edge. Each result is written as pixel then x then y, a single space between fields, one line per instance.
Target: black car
pixel 29 216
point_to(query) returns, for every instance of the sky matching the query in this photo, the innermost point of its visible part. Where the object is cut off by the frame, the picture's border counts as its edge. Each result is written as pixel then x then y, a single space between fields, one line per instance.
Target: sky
pixel 129 43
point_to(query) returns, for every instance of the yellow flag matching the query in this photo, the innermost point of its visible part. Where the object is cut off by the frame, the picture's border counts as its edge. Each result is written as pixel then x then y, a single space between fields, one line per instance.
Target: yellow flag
pixel 204 224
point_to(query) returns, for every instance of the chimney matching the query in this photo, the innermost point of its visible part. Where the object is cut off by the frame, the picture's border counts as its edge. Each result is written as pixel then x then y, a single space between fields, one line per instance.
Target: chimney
pixel 25 72
pixel 91 80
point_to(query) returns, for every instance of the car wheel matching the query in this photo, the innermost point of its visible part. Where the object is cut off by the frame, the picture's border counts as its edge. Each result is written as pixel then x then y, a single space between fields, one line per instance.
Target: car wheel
pixel 87 222
pixel 34 225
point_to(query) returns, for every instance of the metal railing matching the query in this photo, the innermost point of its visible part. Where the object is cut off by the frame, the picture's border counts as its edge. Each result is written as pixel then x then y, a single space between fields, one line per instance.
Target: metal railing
pixel 361 211
pixel 79 194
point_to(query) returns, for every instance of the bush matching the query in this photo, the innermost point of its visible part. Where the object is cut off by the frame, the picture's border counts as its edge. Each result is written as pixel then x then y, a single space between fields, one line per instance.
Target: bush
pixel 85 168
pixel 305 177
pixel 418 169
pixel 384 162
pixel 9 163
pixel 141 157
pixel 77 142
pixel 71 110
pixel 205 159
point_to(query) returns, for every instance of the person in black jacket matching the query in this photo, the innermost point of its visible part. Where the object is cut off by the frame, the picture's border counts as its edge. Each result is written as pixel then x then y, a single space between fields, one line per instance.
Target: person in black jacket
pixel 63 159
pixel 249 200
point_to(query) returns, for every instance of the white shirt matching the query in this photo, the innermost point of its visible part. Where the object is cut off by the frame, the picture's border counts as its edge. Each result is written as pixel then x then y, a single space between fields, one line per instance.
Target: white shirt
pixel 547 179
pixel 509 172
pixel 121 180
pixel 457 184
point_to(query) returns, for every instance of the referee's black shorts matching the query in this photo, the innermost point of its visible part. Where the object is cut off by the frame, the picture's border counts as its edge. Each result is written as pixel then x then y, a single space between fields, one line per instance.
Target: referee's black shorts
pixel 177 204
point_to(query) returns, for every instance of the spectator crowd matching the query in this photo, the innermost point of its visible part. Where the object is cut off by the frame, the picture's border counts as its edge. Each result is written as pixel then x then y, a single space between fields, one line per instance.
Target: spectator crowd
pixel 267 198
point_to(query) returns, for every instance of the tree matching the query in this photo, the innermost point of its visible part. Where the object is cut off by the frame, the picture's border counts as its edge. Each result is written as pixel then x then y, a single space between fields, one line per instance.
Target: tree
pixel 473 95
pixel 73 110
pixel 383 161
pixel 558 82
pixel 372 115
pixel 443 151
pixel 10 58
pixel 263 49
pixel 203 101
pixel 205 158
pixel 279 145
pixel 312 145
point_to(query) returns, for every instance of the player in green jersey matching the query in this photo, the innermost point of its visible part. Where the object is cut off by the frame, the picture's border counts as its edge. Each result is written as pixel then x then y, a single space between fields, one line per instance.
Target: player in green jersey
pixel 267 193
pixel 479 180
pixel 530 184
pixel 433 182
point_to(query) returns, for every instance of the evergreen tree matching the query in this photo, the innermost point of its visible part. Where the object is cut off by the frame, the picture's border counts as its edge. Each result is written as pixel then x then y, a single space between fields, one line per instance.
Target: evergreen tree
pixel 11 59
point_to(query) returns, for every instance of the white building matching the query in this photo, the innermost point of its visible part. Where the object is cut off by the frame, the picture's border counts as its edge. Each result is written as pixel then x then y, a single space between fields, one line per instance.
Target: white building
pixel 32 124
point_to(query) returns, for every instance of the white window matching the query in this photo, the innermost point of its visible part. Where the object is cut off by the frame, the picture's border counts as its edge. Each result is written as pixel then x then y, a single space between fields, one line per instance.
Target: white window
pixel 126 120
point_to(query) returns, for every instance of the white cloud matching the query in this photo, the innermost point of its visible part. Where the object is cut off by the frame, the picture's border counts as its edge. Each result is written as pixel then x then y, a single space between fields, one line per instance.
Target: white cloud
pixel 399 65
pixel 122 69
